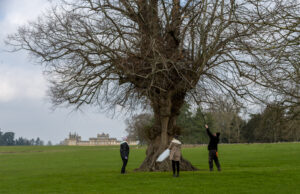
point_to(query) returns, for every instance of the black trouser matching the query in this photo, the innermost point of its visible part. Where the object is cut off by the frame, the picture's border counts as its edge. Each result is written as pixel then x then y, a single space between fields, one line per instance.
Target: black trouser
pixel 124 165
pixel 213 157
pixel 177 166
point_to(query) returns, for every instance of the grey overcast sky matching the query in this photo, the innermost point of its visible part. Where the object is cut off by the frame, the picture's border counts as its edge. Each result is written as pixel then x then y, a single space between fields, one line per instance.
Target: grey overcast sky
pixel 24 108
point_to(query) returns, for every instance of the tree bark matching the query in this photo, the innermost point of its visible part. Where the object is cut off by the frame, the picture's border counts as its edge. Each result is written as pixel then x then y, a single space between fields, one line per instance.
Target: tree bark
pixel 152 153
pixel 165 114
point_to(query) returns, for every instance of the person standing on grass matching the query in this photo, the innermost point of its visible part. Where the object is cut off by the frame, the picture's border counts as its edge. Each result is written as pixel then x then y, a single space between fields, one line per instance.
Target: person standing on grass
pixel 175 154
pixel 124 150
pixel 213 149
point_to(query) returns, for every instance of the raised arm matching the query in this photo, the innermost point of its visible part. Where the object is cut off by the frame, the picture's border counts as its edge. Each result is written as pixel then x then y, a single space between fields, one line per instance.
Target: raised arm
pixel 208 131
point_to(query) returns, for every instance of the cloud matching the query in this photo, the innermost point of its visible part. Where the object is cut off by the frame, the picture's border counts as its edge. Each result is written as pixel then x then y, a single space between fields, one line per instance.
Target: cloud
pixel 23 108
pixel 19 79
pixel 19 83
pixel 15 13
pixel 32 118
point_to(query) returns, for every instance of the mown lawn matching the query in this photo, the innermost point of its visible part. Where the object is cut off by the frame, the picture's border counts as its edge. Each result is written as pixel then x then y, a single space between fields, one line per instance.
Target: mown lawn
pixel 253 168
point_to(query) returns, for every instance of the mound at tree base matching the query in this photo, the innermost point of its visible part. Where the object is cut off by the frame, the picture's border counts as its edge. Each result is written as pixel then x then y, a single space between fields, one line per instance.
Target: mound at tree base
pixel 166 165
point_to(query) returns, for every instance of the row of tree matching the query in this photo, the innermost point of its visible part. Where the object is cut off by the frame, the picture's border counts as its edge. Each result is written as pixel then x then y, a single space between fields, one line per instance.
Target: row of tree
pixel 273 124
pixel 8 139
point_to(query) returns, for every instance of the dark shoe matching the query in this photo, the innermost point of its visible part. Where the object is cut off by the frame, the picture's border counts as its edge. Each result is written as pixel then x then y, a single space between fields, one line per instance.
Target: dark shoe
pixel 219 169
pixel 177 175
pixel 211 169
pixel 174 175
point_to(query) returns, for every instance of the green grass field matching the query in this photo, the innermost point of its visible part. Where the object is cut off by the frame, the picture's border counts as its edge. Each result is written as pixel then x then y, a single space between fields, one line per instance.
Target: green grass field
pixel 253 168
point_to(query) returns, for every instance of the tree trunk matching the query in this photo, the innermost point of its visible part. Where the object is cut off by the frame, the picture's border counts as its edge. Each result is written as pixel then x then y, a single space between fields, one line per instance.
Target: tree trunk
pixel 152 153
pixel 165 114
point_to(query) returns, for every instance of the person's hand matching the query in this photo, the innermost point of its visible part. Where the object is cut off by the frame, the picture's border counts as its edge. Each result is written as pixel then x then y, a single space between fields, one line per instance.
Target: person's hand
pixel 206 126
pixel 126 157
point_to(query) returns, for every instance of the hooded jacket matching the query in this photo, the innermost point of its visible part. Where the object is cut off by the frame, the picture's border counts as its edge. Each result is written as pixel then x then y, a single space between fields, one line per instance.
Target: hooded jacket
pixel 124 150
pixel 175 150
pixel 213 140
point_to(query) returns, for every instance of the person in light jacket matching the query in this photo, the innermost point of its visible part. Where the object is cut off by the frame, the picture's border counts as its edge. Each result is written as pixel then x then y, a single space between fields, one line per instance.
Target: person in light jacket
pixel 124 151
pixel 175 154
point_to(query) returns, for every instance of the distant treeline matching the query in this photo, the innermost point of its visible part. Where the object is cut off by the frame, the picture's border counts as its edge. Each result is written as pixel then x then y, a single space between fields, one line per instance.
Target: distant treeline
pixel 273 124
pixel 8 139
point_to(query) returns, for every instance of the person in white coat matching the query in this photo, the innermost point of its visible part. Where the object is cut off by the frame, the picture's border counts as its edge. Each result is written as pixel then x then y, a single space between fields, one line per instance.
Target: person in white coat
pixel 175 155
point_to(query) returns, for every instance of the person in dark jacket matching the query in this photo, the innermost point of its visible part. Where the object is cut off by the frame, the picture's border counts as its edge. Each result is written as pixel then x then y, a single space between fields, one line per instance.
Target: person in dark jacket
pixel 124 150
pixel 213 149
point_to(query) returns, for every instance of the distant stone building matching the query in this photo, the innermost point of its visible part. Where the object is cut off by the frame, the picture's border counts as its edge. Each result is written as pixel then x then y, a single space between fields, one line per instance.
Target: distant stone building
pixel 101 139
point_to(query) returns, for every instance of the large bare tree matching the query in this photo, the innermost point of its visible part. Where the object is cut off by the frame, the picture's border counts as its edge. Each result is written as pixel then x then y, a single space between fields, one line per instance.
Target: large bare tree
pixel 163 52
